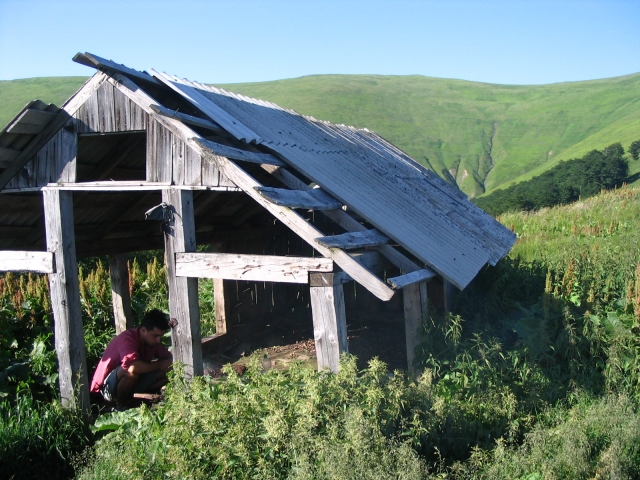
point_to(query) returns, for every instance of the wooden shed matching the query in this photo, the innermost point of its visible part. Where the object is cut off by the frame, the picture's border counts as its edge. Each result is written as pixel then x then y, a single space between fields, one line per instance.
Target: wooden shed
pixel 280 198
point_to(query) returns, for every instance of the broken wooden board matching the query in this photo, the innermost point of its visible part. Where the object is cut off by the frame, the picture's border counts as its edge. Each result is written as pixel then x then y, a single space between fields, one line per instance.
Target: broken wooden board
pixel 352 240
pixel 314 199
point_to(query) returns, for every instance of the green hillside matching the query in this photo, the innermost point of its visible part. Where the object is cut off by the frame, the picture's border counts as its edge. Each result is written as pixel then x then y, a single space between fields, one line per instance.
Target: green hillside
pixel 478 135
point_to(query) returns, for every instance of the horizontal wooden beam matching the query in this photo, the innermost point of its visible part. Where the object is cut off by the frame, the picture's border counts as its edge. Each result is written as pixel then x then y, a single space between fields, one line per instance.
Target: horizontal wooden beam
pixel 7 155
pixel 353 240
pixel 190 119
pixel 259 268
pixel 129 186
pixel 314 199
pixel 242 155
pixel 21 261
pixel 31 121
pixel 410 278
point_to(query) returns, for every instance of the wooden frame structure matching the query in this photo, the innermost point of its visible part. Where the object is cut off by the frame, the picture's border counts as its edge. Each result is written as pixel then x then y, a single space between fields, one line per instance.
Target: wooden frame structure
pixel 76 180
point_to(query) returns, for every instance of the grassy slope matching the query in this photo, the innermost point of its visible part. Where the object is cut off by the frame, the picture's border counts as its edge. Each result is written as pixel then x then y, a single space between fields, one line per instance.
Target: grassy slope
pixel 445 124
pixel 15 94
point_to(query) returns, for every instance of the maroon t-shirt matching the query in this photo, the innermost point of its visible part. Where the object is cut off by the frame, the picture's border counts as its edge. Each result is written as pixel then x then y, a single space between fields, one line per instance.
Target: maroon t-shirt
pixel 123 350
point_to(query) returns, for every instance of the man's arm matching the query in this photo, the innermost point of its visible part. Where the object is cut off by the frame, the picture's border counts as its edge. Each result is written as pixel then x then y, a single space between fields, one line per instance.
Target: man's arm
pixel 140 366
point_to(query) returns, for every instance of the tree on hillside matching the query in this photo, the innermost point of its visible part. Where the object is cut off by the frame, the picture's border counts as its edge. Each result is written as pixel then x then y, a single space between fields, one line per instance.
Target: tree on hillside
pixel 562 184
pixel 634 149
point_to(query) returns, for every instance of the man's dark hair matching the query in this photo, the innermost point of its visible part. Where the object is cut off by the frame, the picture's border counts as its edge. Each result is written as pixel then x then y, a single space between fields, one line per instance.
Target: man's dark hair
pixel 155 319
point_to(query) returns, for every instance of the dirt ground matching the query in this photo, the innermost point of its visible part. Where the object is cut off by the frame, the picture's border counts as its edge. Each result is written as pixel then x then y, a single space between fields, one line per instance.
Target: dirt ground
pixel 287 338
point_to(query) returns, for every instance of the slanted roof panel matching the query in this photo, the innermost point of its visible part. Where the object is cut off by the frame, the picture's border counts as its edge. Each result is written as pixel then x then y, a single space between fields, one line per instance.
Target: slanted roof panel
pixel 410 204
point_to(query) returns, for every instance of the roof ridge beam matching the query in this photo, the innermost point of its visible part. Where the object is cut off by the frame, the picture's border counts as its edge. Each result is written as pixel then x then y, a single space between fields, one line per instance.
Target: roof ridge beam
pixel 94 61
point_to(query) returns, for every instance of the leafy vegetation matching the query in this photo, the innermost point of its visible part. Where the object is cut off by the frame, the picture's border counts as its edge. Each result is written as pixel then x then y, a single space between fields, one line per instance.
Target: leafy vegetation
pixel 562 184
pixel 534 374
pixel 479 136
pixel 40 439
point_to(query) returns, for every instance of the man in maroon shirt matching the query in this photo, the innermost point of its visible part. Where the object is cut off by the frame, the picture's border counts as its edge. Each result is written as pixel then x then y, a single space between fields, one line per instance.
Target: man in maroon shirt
pixel 135 361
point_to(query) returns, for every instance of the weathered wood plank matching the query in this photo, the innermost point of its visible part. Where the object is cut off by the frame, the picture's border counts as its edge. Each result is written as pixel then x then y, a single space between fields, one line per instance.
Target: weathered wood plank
pixel 31 121
pixel 242 155
pixel 407 279
pixel 120 295
pixel 106 108
pixel 21 261
pixel 415 312
pixel 192 167
pixel 329 321
pixel 180 237
pixel 352 240
pixel 314 199
pixel 65 299
pixel 66 154
pixel 220 304
pixel 371 260
pixel 189 119
pixel 110 186
pixel 259 268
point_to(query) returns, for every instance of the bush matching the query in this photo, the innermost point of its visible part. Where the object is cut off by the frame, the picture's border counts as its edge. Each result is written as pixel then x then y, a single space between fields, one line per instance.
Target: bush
pixel 40 440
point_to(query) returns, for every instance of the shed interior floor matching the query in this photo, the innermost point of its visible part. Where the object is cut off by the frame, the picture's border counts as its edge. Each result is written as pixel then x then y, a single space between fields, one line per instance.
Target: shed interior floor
pixel 290 337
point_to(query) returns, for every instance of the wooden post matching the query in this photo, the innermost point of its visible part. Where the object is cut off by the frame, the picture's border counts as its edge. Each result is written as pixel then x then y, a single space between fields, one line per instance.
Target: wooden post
pixel 415 311
pixel 180 236
pixel 65 299
pixel 218 296
pixel 329 320
pixel 449 290
pixel 120 296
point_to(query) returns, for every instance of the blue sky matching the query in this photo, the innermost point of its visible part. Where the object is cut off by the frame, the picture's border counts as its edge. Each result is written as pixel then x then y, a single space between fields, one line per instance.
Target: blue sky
pixel 496 41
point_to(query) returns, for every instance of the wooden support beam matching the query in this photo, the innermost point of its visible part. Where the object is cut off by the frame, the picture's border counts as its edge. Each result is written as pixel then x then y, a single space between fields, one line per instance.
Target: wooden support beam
pixel 329 320
pixel 449 292
pixel 416 311
pixel 189 119
pixel 243 155
pixel 218 297
pixel 314 199
pixel 353 240
pixel 407 279
pixel 31 121
pixel 371 260
pixel 120 295
pixel 259 268
pixel 20 261
pixel 180 237
pixel 65 300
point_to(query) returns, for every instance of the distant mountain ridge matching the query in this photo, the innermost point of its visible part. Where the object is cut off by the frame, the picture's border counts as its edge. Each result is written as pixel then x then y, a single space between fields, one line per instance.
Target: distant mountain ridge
pixel 479 136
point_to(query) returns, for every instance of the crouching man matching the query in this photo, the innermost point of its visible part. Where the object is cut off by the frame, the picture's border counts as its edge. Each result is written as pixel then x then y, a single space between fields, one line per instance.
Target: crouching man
pixel 135 361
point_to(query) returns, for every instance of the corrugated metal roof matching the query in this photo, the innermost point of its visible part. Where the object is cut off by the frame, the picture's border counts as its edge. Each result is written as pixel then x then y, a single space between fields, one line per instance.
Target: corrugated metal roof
pixel 412 205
